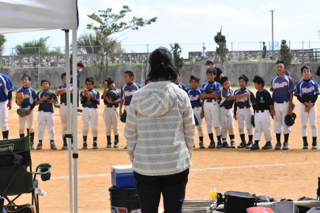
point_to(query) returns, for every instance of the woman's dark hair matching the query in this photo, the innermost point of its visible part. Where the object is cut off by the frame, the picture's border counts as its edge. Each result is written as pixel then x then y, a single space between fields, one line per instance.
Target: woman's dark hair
pixel 161 64
pixel 147 80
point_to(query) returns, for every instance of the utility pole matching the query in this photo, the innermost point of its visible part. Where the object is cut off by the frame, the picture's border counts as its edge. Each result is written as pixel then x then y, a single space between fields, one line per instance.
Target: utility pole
pixel 272 33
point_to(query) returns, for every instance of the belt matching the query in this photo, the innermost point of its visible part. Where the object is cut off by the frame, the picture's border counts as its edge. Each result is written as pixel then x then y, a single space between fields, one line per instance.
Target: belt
pixel 225 107
pixel 282 102
pixel 260 111
pixel 25 107
pixel 111 107
pixel 195 107
pixel 45 111
pixel 244 107
pixel 210 100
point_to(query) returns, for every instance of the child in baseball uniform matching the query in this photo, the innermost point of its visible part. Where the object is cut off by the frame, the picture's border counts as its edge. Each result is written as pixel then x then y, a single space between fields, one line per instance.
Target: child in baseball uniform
pixel 308 108
pixel 194 94
pixel 45 99
pixel 126 91
pixel 6 88
pixel 30 96
pixel 282 87
pixel 90 99
pixel 211 108
pixel 226 116
pixel 63 113
pixel 110 113
pixel 264 105
pixel 178 83
pixel 244 113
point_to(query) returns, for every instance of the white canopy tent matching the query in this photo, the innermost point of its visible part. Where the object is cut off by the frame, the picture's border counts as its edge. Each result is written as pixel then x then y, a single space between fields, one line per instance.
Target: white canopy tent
pixel 35 15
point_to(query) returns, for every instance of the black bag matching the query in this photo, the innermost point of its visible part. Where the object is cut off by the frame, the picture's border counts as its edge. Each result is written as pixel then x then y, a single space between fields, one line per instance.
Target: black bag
pixel 284 207
pixel 238 202
pixel 26 208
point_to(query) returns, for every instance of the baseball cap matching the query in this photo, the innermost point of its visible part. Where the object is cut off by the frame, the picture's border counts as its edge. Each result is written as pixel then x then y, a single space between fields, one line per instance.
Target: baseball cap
pixel 209 62
pixel 280 61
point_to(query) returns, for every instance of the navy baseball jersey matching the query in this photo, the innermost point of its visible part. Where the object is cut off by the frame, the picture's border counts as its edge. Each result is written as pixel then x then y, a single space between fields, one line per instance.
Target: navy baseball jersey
pixel 118 99
pixel 245 102
pixel 45 106
pixel 281 88
pixel 30 95
pixel 195 97
pixel 307 87
pixel 226 95
pixel 5 87
pixel 263 100
pixel 96 97
pixel 214 85
pixel 63 97
pixel 127 92
pixel 181 86
pixel 78 78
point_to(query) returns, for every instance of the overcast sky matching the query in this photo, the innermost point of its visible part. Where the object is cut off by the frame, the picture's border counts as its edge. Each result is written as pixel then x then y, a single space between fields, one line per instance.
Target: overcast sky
pixel 192 23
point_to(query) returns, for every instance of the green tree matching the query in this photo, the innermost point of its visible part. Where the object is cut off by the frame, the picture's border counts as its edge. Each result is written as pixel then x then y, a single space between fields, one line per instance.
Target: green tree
pixel 32 47
pixel 221 50
pixel 108 24
pixel 285 53
pixel 2 41
pixel 176 51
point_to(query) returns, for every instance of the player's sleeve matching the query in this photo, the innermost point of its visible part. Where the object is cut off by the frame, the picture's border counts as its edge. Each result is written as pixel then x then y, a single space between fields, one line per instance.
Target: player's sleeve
pixel 271 86
pixel 81 95
pixel 291 85
pixel 227 95
pixel 97 97
pixel 119 95
pixel 298 90
pixel 122 93
pixel 218 88
pixel 130 131
pixel 316 91
pixel 268 98
pixel 9 84
pixel 183 87
pixel 34 95
pixel 252 98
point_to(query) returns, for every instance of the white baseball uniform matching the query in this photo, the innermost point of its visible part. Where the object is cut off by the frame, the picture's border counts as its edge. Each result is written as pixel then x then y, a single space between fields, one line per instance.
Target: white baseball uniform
pixel 111 116
pixel 63 112
pixel 226 115
pixel 6 86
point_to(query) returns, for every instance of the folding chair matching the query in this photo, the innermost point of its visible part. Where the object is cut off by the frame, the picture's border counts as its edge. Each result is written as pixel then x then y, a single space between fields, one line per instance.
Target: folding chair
pixel 16 175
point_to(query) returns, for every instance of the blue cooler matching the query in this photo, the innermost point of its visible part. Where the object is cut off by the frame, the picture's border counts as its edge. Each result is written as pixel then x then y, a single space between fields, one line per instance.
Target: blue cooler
pixel 122 176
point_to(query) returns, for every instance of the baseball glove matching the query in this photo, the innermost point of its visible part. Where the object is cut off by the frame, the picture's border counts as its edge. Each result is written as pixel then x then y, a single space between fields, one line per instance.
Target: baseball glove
pixel 123 116
pixel 112 94
pixel 48 93
pixel 20 98
pixel 210 90
pixel 252 120
pixel 22 112
pixel 307 97
pixel 289 120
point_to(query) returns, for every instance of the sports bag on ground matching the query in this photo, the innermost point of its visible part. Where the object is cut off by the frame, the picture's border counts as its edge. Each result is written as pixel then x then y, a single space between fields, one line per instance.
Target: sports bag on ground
pixel 26 208
pixel 259 210
pixel 238 202
pixel 284 207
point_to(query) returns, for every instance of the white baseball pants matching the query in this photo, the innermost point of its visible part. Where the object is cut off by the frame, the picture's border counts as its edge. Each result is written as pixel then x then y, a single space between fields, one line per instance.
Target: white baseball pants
pixel 111 120
pixel 244 119
pixel 212 116
pixel 63 113
pixel 281 110
pixel 90 117
pixel 197 114
pixel 262 124
pixel 29 120
pixel 312 117
pixel 45 119
pixel 227 124
pixel 4 116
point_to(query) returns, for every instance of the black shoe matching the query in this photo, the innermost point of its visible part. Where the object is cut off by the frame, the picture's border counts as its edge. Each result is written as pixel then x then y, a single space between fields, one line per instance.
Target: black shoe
pixel 109 144
pixel 219 145
pixel 95 145
pixel 249 145
pixel 53 146
pixel 39 146
pixel 32 146
pixel 116 144
pixel 233 145
pixel 85 146
pixel 305 145
pixel 225 145
pixel 268 145
pixel 201 145
pixel 125 147
pixel 242 145
pixel 278 146
pixel 285 146
pixel 255 146
pixel 212 145
pixel 314 145
pixel 65 146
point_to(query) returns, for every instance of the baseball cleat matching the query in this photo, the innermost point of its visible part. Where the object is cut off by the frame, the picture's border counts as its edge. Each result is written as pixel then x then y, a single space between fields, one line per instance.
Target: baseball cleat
pixel 285 146
pixel 225 145
pixel 249 145
pixel 233 144
pixel 219 145
pixel 305 145
pixel 255 146
pixel 39 146
pixel 201 145
pixel 32 146
pixel 116 144
pixel 65 146
pixel 95 145
pixel 242 145
pixel 125 147
pixel 212 145
pixel 85 146
pixel 278 146
pixel 314 145
pixel 109 144
pixel 268 145
pixel 53 146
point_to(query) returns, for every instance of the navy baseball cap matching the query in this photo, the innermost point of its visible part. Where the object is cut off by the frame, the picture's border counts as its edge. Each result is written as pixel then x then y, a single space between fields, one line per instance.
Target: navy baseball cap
pixel 280 61
pixel 209 62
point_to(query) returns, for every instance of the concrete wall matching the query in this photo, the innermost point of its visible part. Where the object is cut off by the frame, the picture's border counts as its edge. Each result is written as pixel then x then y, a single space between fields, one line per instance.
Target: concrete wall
pixel 233 71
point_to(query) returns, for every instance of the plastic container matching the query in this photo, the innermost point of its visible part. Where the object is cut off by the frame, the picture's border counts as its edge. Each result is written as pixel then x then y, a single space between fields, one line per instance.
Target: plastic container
pixel 124 200
pixel 122 176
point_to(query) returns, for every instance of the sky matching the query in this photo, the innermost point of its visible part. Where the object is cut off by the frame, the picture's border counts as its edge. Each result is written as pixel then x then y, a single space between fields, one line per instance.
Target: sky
pixel 191 23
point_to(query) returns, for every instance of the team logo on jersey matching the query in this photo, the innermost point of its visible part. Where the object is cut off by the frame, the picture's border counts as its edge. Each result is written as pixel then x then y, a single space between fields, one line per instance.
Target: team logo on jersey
pixel 1 84
pixel 280 85
pixel 194 98
pixel 26 96
pixel 308 90
pixel 262 100
pixel 243 100
pixel 129 93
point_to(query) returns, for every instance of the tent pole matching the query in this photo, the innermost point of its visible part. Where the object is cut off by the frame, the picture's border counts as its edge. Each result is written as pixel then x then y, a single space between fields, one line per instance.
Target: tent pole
pixel 75 118
pixel 69 117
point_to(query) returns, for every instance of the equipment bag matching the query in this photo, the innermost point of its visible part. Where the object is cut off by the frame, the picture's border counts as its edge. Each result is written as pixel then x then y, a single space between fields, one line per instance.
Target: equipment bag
pixel 238 202
pixel 284 207
pixel 26 208
pixel 314 210
pixel 259 210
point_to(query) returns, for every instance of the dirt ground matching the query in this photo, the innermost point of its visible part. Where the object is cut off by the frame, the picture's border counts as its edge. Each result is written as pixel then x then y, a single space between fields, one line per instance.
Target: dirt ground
pixel 279 174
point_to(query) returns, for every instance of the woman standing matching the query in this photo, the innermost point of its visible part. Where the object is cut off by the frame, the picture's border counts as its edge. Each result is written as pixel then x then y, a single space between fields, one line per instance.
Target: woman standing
pixel 160 137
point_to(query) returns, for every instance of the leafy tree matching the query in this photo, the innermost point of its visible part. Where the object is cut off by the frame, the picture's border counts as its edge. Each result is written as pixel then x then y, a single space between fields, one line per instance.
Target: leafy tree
pixel 108 24
pixel 221 50
pixel 176 51
pixel 285 53
pixel 32 47
pixel 2 41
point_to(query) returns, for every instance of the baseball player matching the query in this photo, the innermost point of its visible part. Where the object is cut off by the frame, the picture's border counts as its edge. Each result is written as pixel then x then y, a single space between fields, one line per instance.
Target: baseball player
pixel 126 91
pixel 219 73
pixel 6 88
pixel 178 83
pixel 244 114
pixel 282 87
pixel 308 110
pixel 90 99
pixel 211 109
pixel 45 99
pixel 110 113
pixel 264 104
pixel 226 117
pixel 30 95
pixel 62 92
pixel 194 94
